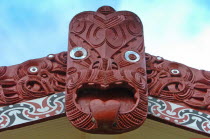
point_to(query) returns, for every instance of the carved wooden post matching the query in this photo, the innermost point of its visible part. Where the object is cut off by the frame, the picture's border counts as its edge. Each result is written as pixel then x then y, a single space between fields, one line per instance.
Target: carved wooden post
pixel 106 72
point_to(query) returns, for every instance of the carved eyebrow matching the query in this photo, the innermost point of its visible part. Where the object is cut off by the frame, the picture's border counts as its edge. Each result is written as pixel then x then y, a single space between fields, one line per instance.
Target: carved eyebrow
pixel 129 43
pixel 137 43
pixel 90 47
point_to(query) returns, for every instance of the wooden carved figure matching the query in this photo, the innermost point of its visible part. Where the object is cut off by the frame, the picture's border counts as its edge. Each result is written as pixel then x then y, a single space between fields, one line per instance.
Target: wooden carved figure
pixel 106 72
pixel 106 75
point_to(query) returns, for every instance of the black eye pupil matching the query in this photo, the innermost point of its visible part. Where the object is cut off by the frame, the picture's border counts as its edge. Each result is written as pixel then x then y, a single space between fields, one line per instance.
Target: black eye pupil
pixel 132 57
pixel 78 54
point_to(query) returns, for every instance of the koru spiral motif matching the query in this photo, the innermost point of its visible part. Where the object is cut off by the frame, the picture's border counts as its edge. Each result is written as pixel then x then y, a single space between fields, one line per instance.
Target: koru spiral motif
pixel 106 74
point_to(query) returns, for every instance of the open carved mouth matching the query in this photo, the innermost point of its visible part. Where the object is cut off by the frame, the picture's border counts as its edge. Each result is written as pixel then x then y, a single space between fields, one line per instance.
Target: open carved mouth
pixel 120 93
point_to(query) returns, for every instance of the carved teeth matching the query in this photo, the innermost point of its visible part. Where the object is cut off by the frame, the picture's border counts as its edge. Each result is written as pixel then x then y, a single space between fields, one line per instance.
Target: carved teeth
pixel 104 86
pixel 80 86
pixel 74 95
pixel 91 83
pixel 93 120
pixel 118 82
pixel 136 96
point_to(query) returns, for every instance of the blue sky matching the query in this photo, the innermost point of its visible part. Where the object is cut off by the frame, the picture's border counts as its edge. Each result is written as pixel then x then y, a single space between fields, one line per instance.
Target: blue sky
pixel 177 30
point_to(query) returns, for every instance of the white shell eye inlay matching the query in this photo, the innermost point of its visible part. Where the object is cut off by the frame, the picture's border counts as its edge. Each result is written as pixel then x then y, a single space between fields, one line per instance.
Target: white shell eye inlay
pixel 132 56
pixel 78 53
pixel 33 69
pixel 50 56
pixel 175 71
pixel 159 58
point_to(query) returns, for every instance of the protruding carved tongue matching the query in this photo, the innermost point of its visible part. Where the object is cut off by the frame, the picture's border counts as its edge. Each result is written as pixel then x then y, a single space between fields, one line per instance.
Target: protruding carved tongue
pixel 104 113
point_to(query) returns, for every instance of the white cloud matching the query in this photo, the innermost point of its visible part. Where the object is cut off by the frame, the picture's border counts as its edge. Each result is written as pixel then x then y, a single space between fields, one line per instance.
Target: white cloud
pixel 177 30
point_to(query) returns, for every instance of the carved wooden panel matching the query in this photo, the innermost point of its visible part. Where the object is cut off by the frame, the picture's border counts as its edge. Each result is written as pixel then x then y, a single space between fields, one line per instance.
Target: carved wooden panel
pixel 106 72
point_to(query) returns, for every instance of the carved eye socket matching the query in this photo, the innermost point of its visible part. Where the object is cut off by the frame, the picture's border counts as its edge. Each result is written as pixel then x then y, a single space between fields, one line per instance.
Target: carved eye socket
pixel 78 53
pixel 132 56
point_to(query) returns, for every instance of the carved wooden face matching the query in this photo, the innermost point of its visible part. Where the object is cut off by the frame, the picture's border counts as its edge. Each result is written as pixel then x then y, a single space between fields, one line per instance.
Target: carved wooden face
pixel 106 77
pixel 168 80
pixel 41 77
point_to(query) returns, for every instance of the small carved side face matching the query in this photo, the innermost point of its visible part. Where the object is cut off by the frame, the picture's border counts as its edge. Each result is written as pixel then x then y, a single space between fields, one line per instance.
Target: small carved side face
pixel 33 79
pixel 41 77
pixel 106 79
pixel 169 80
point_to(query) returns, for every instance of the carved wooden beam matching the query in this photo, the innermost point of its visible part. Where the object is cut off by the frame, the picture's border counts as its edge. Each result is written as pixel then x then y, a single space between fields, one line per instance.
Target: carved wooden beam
pixel 32 111
pixel 32 79
pixel 178 83
pixel 107 78
pixel 170 107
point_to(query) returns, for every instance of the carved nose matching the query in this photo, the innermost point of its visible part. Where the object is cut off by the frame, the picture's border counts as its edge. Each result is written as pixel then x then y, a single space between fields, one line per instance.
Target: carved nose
pixel 105 64
pixel 109 64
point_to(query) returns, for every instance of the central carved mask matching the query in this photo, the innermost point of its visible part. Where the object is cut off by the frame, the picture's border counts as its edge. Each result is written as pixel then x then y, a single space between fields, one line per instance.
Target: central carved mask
pixel 106 72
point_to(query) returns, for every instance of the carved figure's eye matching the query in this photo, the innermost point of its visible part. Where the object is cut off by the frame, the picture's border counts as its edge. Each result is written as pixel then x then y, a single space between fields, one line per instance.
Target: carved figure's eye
pixel 78 53
pixel 132 56
pixel 33 69
pixel 175 71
